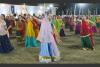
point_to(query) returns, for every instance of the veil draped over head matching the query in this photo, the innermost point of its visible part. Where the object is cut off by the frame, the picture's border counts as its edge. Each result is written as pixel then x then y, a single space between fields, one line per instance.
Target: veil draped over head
pixel 45 33
pixel 3 27
pixel 3 22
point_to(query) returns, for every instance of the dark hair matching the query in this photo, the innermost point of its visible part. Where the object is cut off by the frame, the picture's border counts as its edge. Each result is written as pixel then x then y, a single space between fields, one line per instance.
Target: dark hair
pixel 14 15
pixel 3 16
pixel 24 14
pixel 43 15
pixel 33 14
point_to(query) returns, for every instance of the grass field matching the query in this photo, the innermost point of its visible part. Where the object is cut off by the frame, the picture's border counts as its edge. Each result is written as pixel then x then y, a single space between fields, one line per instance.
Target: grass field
pixel 71 52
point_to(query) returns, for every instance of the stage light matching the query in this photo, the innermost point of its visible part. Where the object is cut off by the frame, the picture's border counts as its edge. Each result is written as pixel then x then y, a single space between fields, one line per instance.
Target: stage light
pixel 41 7
pixel 48 8
pixel 39 12
pixel 51 5
pixel 81 4
pixel 2 5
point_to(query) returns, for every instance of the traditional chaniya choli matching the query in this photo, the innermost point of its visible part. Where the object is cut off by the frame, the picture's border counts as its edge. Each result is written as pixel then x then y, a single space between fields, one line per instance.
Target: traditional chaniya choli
pixel 23 28
pixel 30 40
pixel 20 30
pixel 57 23
pixel 56 33
pixel 86 35
pixel 98 21
pixel 93 22
pixel 60 27
pixel 35 26
pixel 5 45
pixel 49 51
pixel 62 30
pixel 78 27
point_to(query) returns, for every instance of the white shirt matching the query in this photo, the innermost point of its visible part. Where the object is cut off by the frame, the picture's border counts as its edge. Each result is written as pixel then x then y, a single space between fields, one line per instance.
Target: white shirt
pixel 3 28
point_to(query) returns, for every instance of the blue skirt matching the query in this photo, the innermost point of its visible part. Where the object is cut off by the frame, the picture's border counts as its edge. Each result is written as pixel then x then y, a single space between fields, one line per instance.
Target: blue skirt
pixel 5 45
pixel 46 49
pixel 62 33
pixel 48 53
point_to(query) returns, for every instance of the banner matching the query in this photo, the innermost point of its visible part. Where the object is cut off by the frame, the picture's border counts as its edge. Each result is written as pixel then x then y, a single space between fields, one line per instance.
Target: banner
pixel 12 9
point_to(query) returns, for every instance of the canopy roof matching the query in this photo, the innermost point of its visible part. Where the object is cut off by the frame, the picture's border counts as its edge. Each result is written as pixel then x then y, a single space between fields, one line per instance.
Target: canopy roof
pixel 35 2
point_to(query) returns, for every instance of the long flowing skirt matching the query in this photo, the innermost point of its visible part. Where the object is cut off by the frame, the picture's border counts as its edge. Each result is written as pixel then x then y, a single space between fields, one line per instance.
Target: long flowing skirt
pixel 94 29
pixel 77 29
pixel 92 41
pixel 31 42
pixel 62 33
pixel 66 25
pixel 49 53
pixel 36 32
pixel 5 45
pixel 98 25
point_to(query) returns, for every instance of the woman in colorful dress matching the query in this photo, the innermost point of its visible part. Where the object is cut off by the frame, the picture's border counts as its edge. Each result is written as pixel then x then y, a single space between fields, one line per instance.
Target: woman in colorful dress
pixel 98 24
pixel 23 27
pixel 62 30
pixel 86 35
pixel 56 34
pixel 71 24
pixel 35 26
pixel 49 51
pixel 78 26
pixel 93 20
pixel 8 23
pixel 5 45
pixel 65 20
pixel 30 40
pixel 18 31
pixel 59 23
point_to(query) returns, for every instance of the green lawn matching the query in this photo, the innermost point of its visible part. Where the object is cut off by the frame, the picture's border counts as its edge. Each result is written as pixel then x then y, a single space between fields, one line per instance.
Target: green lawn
pixel 70 49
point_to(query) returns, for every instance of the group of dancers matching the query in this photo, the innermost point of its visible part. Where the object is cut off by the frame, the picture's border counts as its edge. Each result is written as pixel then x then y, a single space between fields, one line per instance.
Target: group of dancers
pixel 86 27
pixel 45 31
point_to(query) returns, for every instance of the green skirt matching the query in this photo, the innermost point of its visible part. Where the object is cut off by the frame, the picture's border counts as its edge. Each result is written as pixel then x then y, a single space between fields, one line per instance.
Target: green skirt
pixel 66 25
pixel 31 42
pixel 98 25
pixel 86 42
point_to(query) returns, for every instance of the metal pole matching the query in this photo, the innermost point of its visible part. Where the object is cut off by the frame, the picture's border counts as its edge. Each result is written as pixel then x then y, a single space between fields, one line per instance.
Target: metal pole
pixel 96 11
pixel 79 11
pixel 88 11
pixel 66 11
pixel 75 10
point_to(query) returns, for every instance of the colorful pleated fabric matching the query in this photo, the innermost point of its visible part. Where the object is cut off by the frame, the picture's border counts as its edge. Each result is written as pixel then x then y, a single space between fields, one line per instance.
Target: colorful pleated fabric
pixel 57 24
pixel 30 40
pixel 78 27
pixel 49 51
pixel 35 26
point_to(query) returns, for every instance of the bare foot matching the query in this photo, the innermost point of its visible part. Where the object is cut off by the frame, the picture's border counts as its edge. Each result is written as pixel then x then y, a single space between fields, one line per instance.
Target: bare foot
pixel 84 48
